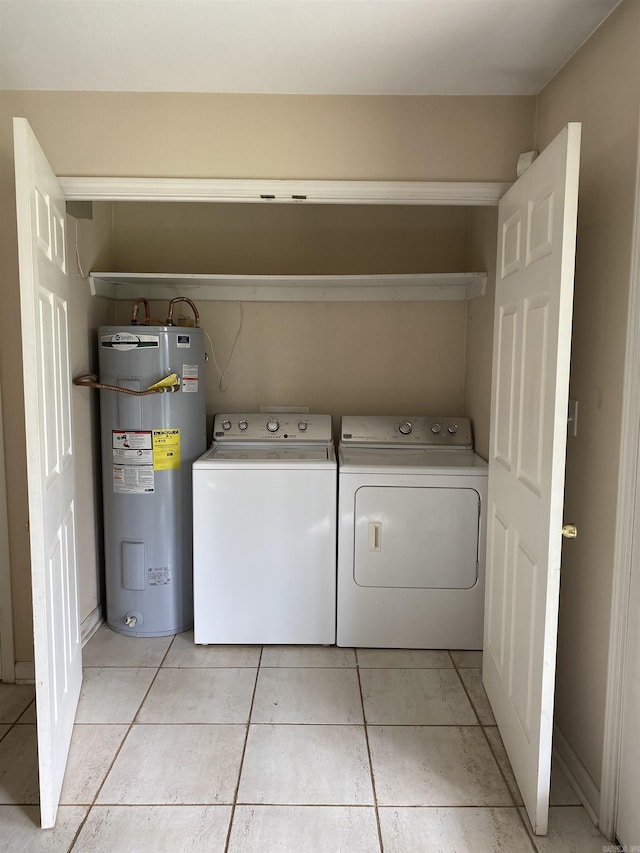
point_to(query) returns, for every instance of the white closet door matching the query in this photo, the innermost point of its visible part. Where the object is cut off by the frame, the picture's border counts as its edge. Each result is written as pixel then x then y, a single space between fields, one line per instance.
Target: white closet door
pixel 50 462
pixel 628 816
pixel 531 351
pixel 7 656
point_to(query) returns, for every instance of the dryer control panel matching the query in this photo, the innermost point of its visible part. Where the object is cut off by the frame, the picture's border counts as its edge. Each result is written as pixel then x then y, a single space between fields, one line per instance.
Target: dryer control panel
pixel 406 431
pixel 272 426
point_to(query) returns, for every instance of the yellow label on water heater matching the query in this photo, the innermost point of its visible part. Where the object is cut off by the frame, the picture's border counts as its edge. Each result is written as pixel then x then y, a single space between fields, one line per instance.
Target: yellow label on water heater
pixel 166 449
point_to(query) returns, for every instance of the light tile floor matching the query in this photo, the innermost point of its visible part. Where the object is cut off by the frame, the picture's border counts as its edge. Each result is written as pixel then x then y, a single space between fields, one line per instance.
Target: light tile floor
pixel 234 749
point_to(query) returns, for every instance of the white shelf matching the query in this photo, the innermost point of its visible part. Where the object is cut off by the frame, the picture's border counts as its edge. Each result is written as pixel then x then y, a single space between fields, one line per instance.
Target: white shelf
pixel 421 287
pixel 265 191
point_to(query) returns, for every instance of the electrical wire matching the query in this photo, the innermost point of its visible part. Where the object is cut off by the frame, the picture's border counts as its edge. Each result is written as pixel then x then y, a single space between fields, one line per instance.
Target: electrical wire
pixel 78 253
pixel 221 373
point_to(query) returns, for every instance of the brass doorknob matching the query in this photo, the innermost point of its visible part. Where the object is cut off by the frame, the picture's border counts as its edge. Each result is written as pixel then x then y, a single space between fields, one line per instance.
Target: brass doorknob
pixel 569 531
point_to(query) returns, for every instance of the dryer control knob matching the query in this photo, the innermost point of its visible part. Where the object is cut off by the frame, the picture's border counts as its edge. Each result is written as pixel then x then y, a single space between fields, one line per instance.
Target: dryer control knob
pixel 243 425
pixel 406 428
pixel 273 425
pixel 302 425
pixel 436 428
pixel 226 424
pixel 452 429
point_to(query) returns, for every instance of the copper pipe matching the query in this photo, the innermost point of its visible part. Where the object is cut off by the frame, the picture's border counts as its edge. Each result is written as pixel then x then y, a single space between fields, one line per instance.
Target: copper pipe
pixel 134 311
pixel 189 302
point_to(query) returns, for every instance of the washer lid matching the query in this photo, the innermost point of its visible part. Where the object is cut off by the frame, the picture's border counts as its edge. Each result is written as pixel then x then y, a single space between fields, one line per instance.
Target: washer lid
pixel 364 460
pixel 271 453
pixel 267 456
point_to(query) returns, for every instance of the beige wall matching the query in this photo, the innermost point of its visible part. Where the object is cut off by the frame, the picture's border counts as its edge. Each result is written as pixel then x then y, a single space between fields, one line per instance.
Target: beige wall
pixel 85 314
pixel 289 239
pixel 336 357
pixel 600 87
pixel 257 136
pixel 333 357
pixel 479 338
pixel 167 135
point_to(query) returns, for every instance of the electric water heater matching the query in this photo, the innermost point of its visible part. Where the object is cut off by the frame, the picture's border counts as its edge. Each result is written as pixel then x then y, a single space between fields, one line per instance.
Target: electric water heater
pixel 149 443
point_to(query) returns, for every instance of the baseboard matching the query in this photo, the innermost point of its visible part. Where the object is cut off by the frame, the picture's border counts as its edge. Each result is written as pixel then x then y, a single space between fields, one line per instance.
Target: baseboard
pixel 580 781
pixel 25 669
pixel 91 624
pixel 25 672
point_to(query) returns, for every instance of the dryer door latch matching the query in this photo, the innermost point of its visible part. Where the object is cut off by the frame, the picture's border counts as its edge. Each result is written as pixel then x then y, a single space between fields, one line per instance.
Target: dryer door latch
pixel 375 536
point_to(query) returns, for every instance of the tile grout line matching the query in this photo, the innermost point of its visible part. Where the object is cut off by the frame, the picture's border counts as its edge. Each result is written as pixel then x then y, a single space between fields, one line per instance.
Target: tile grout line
pixel 17 722
pixel 494 756
pixel 119 749
pixel 244 750
pixel 366 737
pixel 468 695
pixel 10 728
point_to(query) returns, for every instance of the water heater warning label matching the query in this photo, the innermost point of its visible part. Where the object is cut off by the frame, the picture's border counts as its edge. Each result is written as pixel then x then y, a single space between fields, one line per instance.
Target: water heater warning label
pixel 132 462
pixel 190 378
pixel 132 442
pixel 166 449
pixel 159 577
pixel 131 480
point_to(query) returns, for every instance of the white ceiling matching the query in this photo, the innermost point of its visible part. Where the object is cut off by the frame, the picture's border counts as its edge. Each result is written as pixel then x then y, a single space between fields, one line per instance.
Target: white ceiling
pixel 396 47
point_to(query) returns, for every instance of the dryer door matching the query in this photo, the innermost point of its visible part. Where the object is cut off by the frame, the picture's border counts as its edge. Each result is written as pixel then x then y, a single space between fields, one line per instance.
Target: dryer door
pixel 416 537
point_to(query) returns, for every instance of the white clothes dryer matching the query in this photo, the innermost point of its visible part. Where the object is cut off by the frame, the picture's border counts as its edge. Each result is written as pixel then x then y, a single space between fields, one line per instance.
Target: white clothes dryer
pixel 411 534
pixel 264 531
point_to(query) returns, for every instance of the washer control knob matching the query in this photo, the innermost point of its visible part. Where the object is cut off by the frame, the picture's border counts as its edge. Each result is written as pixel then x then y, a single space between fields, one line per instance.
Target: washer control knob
pixel 226 424
pixel 436 429
pixel 406 428
pixel 273 425
pixel 302 425
pixel 243 425
pixel 452 429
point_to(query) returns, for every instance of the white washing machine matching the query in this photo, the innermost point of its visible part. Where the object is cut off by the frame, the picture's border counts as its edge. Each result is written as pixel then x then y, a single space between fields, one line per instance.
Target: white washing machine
pixel 264 531
pixel 411 534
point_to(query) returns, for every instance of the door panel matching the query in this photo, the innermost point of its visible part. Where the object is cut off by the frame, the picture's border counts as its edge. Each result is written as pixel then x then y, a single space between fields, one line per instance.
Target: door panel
pixel 532 342
pixel 532 402
pixel 496 634
pixel 50 461
pixel 523 619
pixel 504 384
